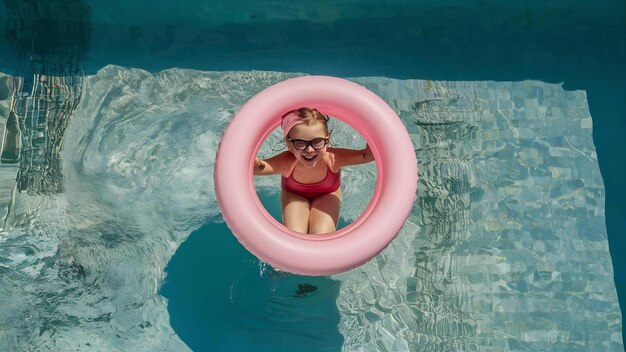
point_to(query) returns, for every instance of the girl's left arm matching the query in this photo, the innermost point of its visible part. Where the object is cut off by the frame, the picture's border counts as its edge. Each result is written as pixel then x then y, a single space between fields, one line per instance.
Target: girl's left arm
pixel 347 157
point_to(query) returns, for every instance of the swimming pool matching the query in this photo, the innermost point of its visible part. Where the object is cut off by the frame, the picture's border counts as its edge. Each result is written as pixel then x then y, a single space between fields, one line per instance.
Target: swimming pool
pixel 508 243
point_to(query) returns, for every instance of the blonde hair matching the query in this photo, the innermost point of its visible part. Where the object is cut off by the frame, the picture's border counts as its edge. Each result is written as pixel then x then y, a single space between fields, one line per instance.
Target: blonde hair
pixel 309 116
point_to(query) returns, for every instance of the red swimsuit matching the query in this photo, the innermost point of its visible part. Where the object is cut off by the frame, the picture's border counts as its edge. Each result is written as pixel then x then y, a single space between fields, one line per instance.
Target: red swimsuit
pixel 310 191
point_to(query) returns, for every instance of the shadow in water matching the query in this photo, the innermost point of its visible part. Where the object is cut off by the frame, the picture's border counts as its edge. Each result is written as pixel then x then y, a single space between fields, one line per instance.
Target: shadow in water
pixel 222 298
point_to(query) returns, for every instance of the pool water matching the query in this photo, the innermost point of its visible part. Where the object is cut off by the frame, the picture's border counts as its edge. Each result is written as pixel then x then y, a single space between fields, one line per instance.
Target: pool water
pixel 113 240
pixel 246 305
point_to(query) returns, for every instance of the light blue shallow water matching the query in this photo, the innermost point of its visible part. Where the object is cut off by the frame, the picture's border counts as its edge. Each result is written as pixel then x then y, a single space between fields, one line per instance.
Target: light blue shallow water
pixel 506 247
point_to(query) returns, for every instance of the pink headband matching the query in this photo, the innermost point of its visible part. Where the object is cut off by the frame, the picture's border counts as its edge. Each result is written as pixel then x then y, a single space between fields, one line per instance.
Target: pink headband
pixel 289 121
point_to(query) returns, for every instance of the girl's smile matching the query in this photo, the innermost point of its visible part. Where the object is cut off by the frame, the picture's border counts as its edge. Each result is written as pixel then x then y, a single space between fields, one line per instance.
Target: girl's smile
pixel 309 157
pixel 309 160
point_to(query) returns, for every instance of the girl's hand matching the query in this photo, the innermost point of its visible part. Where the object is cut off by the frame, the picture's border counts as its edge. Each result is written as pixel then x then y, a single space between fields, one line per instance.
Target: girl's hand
pixel 367 154
pixel 258 165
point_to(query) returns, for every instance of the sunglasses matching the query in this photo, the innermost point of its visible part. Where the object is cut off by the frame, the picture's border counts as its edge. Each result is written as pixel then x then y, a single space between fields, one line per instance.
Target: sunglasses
pixel 316 143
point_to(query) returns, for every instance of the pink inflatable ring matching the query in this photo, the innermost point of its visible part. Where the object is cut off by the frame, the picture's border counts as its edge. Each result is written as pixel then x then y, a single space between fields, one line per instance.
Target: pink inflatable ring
pixel 350 246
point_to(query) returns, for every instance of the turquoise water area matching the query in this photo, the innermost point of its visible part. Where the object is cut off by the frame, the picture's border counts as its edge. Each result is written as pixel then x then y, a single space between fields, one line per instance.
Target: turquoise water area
pixel 505 248
pixel 115 241
pixel 246 305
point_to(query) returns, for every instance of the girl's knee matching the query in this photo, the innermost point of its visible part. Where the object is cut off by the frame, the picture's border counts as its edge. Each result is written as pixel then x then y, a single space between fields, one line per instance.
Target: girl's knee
pixel 297 226
pixel 318 229
pixel 321 224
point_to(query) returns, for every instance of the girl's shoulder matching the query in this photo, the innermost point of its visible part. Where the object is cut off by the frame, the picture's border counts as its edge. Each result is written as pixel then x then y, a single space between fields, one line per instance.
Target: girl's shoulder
pixel 331 159
pixel 340 157
pixel 286 161
pixel 285 155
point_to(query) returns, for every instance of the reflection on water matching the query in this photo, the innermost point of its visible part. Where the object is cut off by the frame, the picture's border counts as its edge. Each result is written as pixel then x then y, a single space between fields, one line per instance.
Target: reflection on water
pixel 42 116
pixel 50 37
pixel 446 122
pixel 508 216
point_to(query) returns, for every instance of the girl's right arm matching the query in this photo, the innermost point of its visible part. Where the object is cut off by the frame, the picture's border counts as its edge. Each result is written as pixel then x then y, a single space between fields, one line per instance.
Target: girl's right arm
pixel 278 164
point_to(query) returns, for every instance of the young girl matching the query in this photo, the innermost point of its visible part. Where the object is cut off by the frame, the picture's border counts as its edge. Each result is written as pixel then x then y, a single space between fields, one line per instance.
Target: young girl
pixel 310 186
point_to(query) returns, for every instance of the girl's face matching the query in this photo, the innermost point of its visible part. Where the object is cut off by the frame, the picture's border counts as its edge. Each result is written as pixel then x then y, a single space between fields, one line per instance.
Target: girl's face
pixel 310 135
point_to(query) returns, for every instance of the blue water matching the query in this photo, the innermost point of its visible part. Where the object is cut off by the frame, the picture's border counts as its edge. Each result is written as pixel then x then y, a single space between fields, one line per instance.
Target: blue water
pixel 226 300
pixel 506 246
pixel 258 308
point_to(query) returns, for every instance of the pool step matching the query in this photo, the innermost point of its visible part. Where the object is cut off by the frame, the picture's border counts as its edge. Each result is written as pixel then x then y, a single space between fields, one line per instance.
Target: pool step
pixel 9 147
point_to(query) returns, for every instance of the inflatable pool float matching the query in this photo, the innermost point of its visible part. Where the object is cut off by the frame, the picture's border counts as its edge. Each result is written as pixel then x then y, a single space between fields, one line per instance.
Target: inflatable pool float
pixel 351 246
